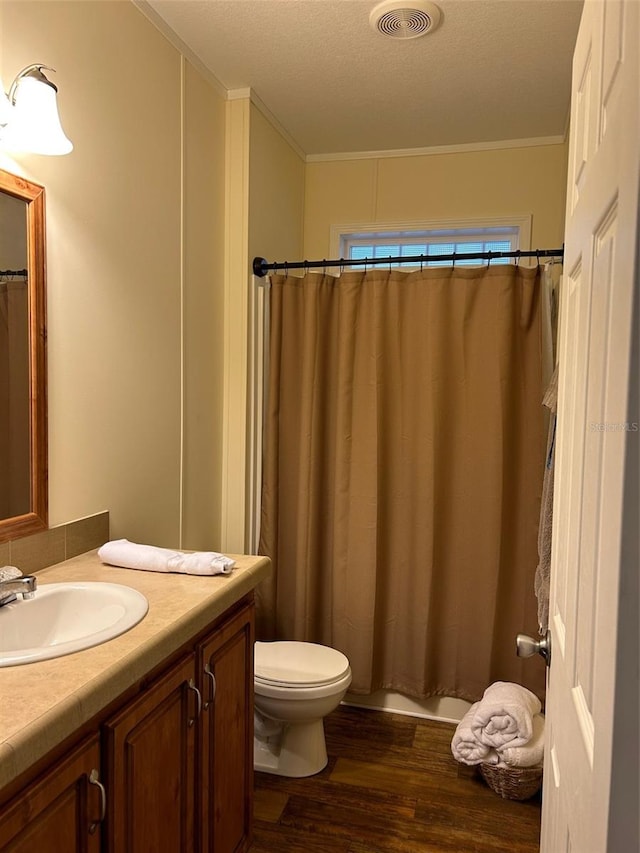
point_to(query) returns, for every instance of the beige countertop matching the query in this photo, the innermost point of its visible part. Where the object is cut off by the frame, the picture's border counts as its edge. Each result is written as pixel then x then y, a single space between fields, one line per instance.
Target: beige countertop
pixel 43 703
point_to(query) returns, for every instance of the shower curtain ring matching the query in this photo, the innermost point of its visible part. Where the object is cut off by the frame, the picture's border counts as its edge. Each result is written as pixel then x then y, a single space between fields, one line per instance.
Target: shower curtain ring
pixel 454 258
pixel 324 266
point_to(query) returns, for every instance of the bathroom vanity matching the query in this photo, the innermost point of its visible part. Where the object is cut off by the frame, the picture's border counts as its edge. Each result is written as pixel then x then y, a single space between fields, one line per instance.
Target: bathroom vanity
pixel 143 743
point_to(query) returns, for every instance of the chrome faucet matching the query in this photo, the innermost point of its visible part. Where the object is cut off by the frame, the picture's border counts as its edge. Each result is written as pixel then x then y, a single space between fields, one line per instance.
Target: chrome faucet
pixel 24 586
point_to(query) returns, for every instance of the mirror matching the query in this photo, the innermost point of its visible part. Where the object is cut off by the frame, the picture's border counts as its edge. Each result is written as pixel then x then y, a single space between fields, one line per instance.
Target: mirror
pixel 23 388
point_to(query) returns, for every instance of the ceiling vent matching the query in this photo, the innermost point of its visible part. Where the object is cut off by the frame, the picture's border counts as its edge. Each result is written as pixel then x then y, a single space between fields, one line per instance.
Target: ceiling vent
pixel 405 19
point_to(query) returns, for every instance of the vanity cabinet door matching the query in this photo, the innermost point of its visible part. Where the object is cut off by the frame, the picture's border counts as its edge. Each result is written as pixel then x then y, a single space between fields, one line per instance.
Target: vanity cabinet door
pixel 60 811
pixel 225 751
pixel 150 748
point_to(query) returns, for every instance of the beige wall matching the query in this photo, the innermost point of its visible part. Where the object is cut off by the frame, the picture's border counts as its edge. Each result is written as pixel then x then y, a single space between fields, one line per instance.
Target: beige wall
pixel 203 311
pixel 128 276
pixel 265 198
pixel 276 193
pixel 466 185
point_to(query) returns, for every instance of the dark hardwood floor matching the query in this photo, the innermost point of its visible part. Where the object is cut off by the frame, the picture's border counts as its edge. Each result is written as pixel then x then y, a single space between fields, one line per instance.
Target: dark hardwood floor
pixel 391 786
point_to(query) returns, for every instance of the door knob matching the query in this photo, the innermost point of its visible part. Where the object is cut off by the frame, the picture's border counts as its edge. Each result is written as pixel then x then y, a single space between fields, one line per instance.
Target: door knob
pixel 526 647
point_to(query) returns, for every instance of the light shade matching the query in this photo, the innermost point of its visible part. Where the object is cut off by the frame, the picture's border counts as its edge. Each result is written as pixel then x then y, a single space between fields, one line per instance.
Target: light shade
pixel 34 124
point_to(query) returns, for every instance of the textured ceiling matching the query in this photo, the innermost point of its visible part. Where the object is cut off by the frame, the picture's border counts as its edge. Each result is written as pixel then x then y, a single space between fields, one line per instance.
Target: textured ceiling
pixel 493 70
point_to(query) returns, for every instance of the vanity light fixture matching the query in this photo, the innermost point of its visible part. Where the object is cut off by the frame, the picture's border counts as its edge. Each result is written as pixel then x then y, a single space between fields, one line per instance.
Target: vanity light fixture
pixel 29 120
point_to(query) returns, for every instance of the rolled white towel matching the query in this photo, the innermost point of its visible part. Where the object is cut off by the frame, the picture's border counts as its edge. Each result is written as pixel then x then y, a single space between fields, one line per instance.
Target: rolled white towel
pixel 531 753
pixel 504 715
pixel 465 746
pixel 129 555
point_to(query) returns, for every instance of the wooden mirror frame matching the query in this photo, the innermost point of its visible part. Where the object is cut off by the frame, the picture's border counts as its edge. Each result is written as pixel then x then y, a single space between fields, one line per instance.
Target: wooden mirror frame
pixel 37 517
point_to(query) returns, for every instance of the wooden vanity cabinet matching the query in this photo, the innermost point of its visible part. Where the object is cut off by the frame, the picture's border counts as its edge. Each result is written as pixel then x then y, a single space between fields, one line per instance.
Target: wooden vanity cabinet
pixel 61 810
pixel 179 757
pixel 225 748
pixel 176 761
pixel 150 749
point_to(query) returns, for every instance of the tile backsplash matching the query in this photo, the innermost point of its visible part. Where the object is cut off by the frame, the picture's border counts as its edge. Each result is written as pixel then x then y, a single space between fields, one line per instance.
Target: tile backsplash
pixel 56 544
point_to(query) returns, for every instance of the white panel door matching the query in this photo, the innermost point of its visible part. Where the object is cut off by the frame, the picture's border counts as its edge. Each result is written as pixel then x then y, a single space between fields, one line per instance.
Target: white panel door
pixel 593 436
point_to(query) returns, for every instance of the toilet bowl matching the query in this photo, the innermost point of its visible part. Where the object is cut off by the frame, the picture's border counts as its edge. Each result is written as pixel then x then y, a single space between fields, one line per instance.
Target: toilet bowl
pixel 295 686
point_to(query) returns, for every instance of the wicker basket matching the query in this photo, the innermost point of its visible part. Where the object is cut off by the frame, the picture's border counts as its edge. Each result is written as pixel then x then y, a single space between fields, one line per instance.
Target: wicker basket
pixel 513 783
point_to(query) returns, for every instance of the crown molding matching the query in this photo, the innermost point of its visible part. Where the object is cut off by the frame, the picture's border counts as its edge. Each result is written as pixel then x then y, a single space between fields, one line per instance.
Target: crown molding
pixel 258 103
pixel 533 142
pixel 238 94
pixel 160 24
pixel 227 94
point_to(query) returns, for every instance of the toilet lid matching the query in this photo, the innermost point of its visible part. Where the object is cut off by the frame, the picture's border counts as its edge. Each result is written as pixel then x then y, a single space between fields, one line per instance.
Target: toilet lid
pixel 298 664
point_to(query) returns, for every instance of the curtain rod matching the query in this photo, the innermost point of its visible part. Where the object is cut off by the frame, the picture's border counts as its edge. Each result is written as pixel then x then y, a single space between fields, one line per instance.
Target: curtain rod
pixel 261 266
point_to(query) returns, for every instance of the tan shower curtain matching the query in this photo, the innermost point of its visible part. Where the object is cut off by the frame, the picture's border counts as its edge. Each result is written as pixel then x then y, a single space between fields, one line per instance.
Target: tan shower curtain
pixel 403 466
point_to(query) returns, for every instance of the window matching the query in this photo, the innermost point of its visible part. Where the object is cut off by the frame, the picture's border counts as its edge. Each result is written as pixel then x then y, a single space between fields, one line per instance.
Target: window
pixel 382 242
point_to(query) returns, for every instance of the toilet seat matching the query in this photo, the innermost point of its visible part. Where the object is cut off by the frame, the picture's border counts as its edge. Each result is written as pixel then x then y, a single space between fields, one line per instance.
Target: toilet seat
pixel 297 664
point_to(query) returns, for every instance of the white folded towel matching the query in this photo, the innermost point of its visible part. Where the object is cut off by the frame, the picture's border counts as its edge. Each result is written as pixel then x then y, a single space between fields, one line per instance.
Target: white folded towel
pixel 505 715
pixel 528 755
pixel 129 555
pixel 465 746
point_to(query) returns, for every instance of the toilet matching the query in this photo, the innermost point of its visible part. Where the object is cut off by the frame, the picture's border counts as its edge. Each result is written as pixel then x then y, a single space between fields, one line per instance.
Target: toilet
pixel 295 686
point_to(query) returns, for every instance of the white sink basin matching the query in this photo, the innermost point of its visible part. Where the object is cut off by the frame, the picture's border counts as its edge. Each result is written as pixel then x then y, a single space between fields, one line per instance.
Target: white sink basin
pixel 66 617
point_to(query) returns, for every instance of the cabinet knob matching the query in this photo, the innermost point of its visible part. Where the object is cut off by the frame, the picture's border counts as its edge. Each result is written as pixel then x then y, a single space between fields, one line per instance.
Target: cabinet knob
pixel 94 779
pixel 192 686
pixel 207 672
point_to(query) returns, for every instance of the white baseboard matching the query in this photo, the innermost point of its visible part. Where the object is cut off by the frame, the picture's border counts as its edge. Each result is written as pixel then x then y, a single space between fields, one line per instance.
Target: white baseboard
pixel 445 709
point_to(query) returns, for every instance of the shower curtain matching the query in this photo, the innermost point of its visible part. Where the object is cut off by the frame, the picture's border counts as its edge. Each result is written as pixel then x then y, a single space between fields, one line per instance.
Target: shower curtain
pixel 404 449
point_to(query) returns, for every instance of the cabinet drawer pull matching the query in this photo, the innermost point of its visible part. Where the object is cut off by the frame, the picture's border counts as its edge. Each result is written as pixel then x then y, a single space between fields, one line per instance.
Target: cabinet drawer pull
pixel 94 779
pixel 192 686
pixel 207 671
